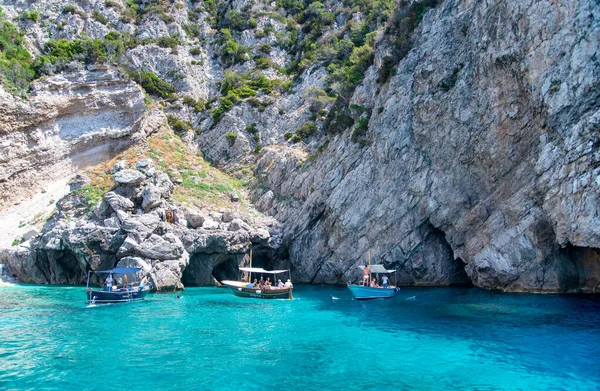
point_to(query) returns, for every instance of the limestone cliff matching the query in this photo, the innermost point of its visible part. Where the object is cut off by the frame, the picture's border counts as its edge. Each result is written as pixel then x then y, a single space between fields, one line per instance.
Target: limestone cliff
pixel 482 153
pixel 455 140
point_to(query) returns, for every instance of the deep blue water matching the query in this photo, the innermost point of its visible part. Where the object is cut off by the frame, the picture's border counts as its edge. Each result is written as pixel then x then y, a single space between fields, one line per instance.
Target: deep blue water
pixel 443 338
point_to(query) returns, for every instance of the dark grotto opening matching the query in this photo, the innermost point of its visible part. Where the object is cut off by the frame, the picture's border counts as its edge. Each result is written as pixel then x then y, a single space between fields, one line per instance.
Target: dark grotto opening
pixel 67 267
pixel 455 267
pixel 582 269
pixel 459 277
pixel 226 270
pixel 203 267
pixel 432 262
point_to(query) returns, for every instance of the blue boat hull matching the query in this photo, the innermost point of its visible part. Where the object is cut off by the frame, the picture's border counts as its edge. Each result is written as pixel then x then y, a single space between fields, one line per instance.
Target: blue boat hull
pixel 368 293
pixel 102 297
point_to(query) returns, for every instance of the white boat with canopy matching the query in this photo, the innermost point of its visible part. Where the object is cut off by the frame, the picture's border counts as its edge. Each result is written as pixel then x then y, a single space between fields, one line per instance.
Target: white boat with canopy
pixel 249 289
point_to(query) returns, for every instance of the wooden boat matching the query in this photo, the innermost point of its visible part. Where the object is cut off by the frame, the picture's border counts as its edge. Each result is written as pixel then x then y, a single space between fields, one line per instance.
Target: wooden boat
pixel 365 292
pixel 125 294
pixel 247 289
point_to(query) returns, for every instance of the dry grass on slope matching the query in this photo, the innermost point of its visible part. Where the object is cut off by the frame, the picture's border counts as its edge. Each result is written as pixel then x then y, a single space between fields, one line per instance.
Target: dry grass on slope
pixel 201 184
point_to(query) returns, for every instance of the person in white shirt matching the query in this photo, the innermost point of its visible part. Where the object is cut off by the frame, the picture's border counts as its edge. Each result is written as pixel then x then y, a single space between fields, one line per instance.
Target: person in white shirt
pixel 288 284
pixel 385 281
pixel 108 282
pixel 279 284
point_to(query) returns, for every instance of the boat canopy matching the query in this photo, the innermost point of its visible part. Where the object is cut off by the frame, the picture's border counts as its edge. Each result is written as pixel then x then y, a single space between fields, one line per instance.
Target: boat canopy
pixel 377 269
pixel 261 270
pixel 120 270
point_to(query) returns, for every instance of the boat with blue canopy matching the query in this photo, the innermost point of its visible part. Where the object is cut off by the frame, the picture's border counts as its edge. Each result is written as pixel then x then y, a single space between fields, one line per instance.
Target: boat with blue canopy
pixel 368 288
pixel 111 293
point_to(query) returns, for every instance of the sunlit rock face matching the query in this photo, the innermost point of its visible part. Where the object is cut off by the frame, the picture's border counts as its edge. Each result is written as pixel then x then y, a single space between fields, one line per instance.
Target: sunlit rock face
pixel 71 121
pixel 481 155
pixel 479 164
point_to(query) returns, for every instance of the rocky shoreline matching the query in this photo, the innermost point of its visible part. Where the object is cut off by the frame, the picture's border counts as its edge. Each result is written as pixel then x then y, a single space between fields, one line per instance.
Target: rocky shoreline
pixel 137 224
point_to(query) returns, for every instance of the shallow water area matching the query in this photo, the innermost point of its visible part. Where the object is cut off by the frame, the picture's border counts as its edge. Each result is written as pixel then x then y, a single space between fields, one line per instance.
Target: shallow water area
pixel 424 339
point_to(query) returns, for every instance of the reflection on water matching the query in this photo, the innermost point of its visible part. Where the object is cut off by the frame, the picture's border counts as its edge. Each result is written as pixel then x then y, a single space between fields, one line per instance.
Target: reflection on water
pixel 440 339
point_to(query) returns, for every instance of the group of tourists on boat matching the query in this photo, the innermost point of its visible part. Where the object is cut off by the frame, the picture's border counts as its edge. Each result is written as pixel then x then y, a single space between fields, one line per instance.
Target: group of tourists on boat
pixel 109 287
pixel 267 284
pixel 373 282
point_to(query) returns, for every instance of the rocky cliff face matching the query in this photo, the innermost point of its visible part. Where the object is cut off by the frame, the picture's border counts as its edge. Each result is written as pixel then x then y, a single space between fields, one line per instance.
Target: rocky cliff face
pixel 475 162
pixel 71 121
pixel 482 154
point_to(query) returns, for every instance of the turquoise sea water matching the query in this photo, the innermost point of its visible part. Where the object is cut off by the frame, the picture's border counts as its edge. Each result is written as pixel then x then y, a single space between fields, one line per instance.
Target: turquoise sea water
pixel 425 339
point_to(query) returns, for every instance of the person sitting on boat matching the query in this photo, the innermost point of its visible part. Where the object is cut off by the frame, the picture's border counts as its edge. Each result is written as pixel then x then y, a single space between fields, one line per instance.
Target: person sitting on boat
pixel 288 284
pixel 261 283
pixel 108 282
pixel 268 283
pixel 384 279
pixel 374 284
pixel 255 283
pixel 366 276
pixel 279 284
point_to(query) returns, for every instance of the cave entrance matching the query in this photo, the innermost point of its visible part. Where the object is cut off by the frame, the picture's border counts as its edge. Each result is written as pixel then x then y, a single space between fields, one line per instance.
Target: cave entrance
pixel 459 276
pixel 66 270
pixel 227 270
pixel 454 266
pixel 204 268
pixel 584 265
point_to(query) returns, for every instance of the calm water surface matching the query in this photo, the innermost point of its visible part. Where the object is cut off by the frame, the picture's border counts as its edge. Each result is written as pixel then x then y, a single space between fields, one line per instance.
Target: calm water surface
pixel 425 339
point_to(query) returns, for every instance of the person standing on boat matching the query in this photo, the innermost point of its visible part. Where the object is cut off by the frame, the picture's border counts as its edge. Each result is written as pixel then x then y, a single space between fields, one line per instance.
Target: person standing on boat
pixel 366 276
pixel 108 282
pixel 384 279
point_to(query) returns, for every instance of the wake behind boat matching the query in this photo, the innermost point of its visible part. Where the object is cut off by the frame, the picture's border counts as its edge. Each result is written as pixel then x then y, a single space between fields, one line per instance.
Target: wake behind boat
pixel 110 293
pixel 257 290
pixel 368 288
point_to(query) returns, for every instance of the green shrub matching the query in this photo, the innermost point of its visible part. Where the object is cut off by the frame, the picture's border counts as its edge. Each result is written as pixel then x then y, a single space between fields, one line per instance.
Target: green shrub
pixel 339 118
pixel 252 128
pixel 153 84
pixel 178 125
pixel 307 129
pixel 264 63
pixel 252 23
pixel 195 51
pixel 231 137
pixel 198 105
pixel 16 64
pixel 360 131
pixel 268 29
pixel 192 30
pixel 99 17
pixel 111 4
pixel 33 15
pixel 169 42
pixel 69 9
pixel 318 99
pixel 265 48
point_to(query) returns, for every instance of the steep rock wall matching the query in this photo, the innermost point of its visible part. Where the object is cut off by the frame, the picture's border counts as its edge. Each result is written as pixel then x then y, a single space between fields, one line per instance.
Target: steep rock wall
pixel 487 133
pixel 71 121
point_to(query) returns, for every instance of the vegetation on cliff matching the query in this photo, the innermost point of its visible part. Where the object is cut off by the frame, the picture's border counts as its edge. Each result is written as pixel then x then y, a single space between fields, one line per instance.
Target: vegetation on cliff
pixel 16 64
